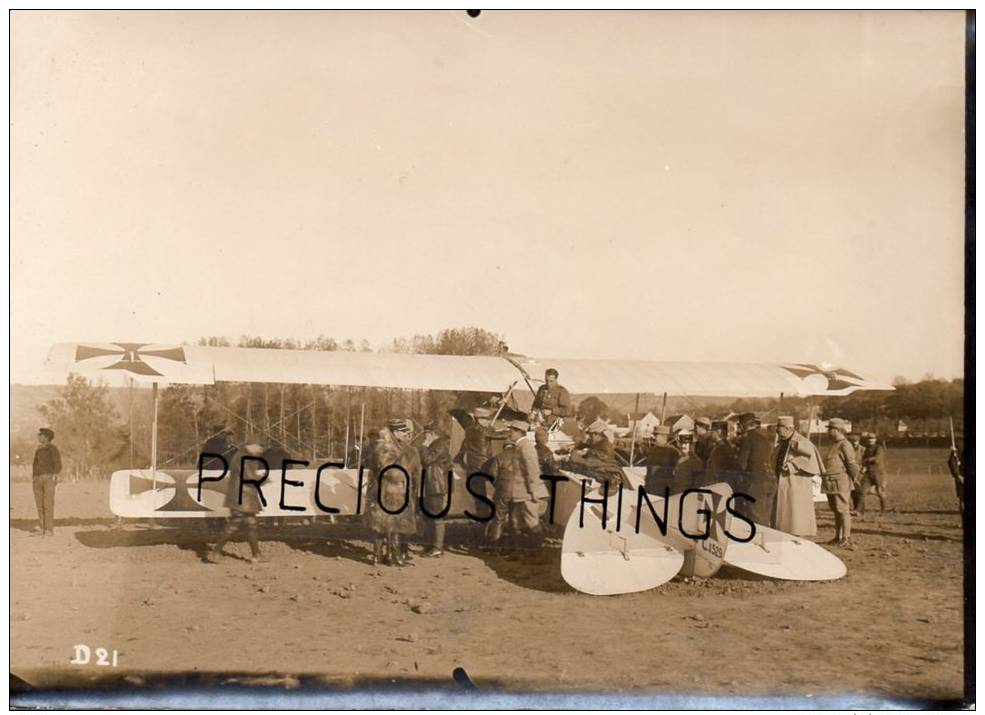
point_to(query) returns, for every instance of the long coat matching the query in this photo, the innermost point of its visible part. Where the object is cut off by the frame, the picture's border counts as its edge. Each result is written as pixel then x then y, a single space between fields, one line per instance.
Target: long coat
pixel 517 473
pixel 392 488
pixel 660 463
pixel 436 460
pixel 755 461
pixel 798 462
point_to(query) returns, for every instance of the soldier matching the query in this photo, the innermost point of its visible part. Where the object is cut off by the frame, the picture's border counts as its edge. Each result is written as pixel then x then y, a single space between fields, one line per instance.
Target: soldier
pixel 660 462
pixel 855 440
pixel 436 461
pixel 873 467
pixel 44 476
pixel 703 438
pixel 519 488
pixel 755 461
pixel 392 509
pixel 242 500
pixel 552 400
pixel 689 469
pixel 723 461
pixel 596 458
pixel 548 464
pixel 840 470
pixel 221 444
pixel 956 467
pixel 797 463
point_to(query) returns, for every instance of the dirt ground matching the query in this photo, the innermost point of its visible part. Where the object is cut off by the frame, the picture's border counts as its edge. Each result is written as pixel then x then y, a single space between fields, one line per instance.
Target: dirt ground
pixel 319 612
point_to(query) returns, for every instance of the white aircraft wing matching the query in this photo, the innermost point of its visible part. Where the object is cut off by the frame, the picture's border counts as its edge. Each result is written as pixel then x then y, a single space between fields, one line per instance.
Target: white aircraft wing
pixel 706 379
pixel 196 364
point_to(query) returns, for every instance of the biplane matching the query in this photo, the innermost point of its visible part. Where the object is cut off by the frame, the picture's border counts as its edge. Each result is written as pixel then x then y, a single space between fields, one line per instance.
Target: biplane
pixel 605 557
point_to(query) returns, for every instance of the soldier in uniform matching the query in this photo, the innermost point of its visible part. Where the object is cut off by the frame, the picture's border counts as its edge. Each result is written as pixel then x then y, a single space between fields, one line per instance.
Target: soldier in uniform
pixel 956 467
pixel 873 467
pixel 548 464
pixel 855 440
pixel 840 470
pixel 44 476
pixel 242 500
pixel 436 461
pixel 219 443
pixel 689 470
pixel 389 487
pixel 722 464
pixel 797 463
pixel 703 438
pixel 596 458
pixel 519 488
pixel 551 401
pixel 660 462
pixel 755 461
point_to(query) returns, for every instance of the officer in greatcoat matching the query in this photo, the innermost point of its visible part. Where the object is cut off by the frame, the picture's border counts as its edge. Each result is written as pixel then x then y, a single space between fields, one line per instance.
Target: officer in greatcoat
pixel 436 496
pixel 755 461
pixel 797 463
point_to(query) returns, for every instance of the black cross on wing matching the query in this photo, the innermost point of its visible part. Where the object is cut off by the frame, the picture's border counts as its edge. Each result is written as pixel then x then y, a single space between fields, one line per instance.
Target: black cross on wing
pixel 131 356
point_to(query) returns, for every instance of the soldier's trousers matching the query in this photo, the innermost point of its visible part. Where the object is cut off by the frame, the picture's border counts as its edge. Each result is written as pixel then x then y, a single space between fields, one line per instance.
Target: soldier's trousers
pixel 44 500
pixel 523 515
pixel 240 520
pixel 839 503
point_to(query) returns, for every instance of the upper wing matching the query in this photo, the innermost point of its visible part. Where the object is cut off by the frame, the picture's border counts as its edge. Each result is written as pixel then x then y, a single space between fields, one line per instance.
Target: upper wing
pixel 706 379
pixel 195 364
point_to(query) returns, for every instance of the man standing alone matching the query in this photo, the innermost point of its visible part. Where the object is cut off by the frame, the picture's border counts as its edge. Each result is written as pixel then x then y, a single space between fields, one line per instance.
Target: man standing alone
pixel 47 465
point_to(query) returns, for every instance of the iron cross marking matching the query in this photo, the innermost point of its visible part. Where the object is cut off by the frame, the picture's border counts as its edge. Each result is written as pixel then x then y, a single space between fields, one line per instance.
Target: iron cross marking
pixel 838 379
pixel 182 499
pixel 130 357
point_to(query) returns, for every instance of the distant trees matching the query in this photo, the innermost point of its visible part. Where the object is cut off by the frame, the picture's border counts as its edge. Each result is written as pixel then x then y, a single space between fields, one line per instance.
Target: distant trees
pixel 87 428
pixel 453 341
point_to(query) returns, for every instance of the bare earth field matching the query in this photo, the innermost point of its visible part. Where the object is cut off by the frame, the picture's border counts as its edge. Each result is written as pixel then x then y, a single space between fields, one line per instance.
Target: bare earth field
pixel 319 614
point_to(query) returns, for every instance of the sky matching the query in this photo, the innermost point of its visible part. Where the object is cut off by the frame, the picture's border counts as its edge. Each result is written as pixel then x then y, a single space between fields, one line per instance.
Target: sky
pixel 763 186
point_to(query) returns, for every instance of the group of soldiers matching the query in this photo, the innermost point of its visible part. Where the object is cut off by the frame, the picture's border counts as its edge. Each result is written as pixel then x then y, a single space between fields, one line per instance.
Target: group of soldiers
pixel 774 469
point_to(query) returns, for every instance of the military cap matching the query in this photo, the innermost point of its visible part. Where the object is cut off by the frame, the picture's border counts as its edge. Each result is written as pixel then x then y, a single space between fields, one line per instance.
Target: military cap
pixel 45 432
pixel 785 421
pixel 399 424
pixel 747 418
pixel 838 423
pixel 685 437
pixel 482 412
pixel 662 429
pixel 518 425
pixel 703 422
